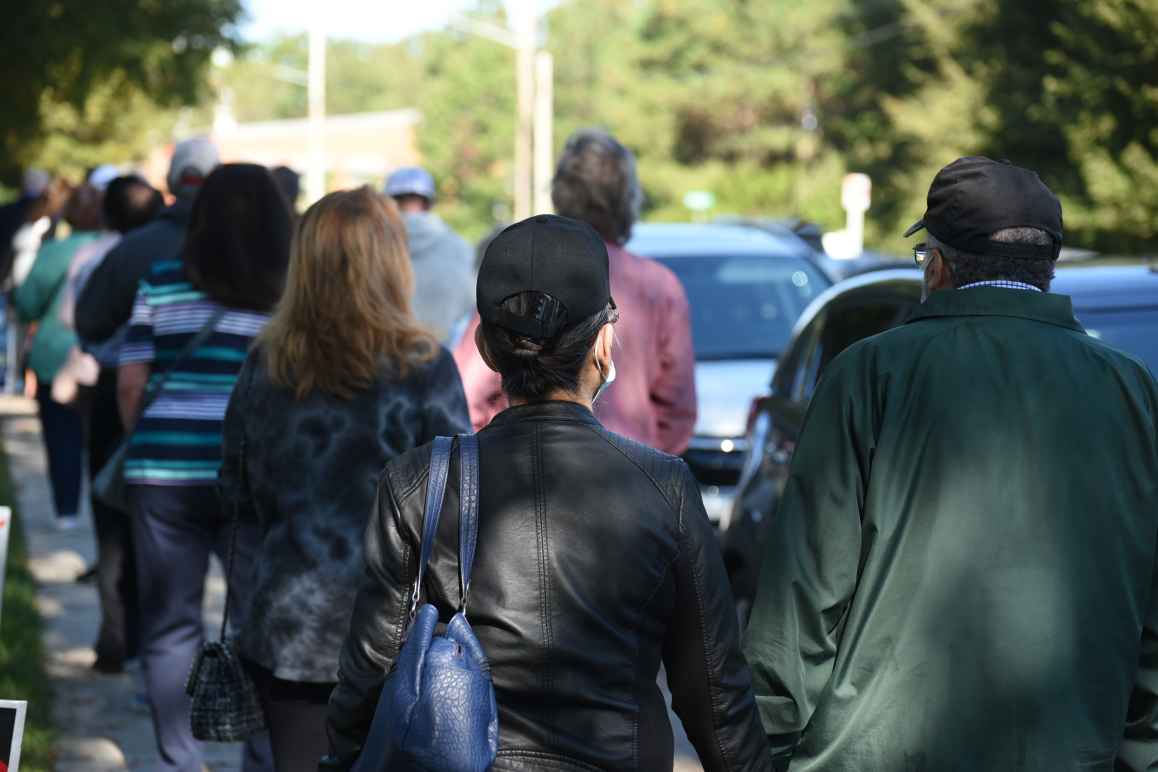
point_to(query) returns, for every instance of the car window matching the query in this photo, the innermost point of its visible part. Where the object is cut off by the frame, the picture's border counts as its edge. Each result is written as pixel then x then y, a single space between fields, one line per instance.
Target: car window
pixel 790 367
pixel 745 307
pixel 845 325
pixel 848 325
pixel 1133 330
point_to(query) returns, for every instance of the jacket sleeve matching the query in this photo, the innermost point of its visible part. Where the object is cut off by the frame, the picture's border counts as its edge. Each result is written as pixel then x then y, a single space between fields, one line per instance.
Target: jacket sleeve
pixel 106 301
pixel 1139 748
pixel 33 297
pixel 673 385
pixel 483 386
pixel 710 682
pixel 379 618
pixel 810 564
pixel 445 413
pixel 232 483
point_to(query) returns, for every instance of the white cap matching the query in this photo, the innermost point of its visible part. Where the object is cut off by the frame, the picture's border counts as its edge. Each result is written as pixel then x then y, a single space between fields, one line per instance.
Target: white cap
pixel 193 159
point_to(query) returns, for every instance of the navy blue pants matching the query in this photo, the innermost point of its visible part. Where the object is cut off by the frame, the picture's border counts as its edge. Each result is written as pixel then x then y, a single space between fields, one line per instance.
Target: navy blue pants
pixel 174 531
pixel 63 434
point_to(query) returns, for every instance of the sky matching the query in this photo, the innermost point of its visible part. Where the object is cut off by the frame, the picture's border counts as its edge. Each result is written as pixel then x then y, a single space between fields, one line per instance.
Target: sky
pixel 371 21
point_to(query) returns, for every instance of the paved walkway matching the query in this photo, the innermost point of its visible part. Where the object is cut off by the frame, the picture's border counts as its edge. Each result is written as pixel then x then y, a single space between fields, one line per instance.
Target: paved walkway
pixel 103 724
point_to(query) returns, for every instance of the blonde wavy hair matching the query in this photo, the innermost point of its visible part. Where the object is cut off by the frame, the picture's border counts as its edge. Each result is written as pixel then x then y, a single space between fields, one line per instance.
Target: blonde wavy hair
pixel 346 307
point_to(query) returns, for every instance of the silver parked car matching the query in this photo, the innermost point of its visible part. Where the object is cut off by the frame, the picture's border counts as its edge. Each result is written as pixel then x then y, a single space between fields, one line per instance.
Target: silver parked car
pixel 745 287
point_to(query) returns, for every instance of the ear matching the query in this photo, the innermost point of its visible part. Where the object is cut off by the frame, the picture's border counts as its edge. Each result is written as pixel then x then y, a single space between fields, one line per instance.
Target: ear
pixel 481 344
pixel 940 277
pixel 604 345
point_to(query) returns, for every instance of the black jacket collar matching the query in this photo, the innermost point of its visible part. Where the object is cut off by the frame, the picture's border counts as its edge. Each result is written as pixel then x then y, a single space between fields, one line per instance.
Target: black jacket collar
pixel 552 410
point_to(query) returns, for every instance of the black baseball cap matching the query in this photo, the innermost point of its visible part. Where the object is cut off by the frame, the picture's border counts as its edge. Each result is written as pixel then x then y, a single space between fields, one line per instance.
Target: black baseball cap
pixel 974 197
pixel 561 262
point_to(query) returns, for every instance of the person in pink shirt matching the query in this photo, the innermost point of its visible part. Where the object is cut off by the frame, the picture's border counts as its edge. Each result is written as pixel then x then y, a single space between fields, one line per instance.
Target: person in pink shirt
pixel 653 397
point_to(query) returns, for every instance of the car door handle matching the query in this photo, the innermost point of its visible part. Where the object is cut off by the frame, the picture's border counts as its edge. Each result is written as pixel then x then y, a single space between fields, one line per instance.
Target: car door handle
pixel 780 456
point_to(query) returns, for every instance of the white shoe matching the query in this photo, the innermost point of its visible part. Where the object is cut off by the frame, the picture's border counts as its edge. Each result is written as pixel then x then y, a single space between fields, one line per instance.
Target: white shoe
pixel 67 523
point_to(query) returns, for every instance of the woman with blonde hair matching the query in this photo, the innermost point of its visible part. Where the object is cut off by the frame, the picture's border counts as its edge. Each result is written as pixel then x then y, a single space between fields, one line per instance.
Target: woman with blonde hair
pixel 342 380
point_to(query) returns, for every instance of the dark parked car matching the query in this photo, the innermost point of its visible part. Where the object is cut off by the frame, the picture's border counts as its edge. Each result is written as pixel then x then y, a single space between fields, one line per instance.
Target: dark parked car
pixel 746 288
pixel 1118 304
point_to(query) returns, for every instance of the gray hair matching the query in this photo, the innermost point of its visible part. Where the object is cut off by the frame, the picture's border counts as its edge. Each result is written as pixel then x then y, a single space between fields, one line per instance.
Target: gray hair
pixel 596 182
pixel 967 268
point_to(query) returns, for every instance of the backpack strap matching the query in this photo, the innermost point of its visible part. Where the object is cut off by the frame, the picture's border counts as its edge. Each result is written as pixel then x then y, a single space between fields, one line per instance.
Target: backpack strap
pixel 468 509
pixel 435 490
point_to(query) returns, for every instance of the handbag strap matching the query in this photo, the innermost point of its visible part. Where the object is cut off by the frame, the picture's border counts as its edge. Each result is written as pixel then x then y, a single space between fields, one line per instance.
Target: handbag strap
pixel 435 492
pixel 154 389
pixel 235 515
pixel 468 510
pixel 234 518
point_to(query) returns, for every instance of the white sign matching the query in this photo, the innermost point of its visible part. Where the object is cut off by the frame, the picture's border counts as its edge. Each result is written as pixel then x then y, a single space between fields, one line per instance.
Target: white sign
pixel 699 200
pixel 12 714
pixel 5 528
pixel 856 192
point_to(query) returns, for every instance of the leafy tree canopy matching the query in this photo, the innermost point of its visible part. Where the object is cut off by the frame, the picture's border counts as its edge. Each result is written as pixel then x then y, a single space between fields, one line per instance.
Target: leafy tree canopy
pixel 86 77
pixel 765 103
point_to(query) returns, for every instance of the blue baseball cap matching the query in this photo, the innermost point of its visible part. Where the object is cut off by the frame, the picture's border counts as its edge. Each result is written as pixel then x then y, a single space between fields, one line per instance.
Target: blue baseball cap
pixel 411 181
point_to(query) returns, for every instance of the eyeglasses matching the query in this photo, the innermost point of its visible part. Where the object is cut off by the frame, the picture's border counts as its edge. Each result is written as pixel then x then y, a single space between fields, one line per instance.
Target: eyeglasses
pixel 921 253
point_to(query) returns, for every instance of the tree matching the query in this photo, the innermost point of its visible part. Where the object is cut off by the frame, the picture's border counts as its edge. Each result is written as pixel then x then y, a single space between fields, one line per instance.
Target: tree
pixel 92 58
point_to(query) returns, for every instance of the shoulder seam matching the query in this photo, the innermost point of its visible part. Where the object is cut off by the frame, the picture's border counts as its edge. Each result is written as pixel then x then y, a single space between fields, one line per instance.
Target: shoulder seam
pixel 601 433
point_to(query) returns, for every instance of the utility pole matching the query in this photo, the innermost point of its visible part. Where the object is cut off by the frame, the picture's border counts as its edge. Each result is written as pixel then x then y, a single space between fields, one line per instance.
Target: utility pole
pixel 544 130
pixel 534 76
pixel 523 26
pixel 316 170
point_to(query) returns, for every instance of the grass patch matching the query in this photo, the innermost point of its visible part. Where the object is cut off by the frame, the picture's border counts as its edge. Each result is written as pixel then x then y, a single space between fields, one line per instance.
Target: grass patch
pixel 22 675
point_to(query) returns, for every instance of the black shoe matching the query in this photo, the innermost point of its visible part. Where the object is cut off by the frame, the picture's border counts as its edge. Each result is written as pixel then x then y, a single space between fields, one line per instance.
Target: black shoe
pixel 89 575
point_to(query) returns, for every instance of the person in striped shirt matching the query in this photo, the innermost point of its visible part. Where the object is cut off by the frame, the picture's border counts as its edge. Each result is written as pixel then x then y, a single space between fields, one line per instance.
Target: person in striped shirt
pixel 230 276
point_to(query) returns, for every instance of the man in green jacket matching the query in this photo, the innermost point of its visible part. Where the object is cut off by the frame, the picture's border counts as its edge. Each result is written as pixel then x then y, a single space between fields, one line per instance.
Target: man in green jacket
pixel 961 573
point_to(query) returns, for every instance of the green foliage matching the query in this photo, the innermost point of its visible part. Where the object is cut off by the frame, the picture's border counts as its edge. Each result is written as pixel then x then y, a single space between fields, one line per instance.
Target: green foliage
pixel 70 66
pixel 22 674
pixel 765 103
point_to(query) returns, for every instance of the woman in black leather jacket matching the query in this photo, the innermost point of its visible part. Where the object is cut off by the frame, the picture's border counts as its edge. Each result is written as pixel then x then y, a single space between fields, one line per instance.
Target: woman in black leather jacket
pixel 596 562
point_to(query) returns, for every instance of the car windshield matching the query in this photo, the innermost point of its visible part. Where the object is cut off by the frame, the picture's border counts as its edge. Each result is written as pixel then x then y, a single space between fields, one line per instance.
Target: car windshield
pixel 745 307
pixel 1133 330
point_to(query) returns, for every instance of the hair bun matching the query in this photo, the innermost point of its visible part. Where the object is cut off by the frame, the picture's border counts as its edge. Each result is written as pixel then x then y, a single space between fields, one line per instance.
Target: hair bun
pixel 526 348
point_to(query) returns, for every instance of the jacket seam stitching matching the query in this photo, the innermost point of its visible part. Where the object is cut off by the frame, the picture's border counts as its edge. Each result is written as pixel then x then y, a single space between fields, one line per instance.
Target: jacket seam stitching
pixel 667 499
pixel 697 580
pixel 537 754
pixel 407 554
pixel 543 555
pixel 647 604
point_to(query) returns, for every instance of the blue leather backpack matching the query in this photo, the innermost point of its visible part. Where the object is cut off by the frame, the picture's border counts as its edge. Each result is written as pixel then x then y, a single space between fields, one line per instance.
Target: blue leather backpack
pixel 437 711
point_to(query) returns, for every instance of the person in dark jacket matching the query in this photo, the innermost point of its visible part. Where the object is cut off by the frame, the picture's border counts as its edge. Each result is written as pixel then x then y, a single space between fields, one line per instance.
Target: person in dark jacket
pixel 342 380
pixel 596 562
pixel 106 304
pixel 129 203
pixel 961 574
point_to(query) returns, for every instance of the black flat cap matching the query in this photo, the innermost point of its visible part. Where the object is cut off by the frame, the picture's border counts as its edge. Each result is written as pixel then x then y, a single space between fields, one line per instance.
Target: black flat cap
pixel 559 265
pixel 974 197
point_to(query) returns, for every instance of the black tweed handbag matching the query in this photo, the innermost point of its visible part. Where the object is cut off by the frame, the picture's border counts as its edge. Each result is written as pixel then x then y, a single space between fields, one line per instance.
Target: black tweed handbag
pixel 226 707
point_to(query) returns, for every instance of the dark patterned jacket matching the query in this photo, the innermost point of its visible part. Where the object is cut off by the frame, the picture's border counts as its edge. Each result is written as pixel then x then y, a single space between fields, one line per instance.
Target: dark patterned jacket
pixel 307 471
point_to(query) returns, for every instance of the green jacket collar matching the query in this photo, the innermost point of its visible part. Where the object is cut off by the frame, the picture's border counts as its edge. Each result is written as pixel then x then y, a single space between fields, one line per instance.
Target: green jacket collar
pixel 996 301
